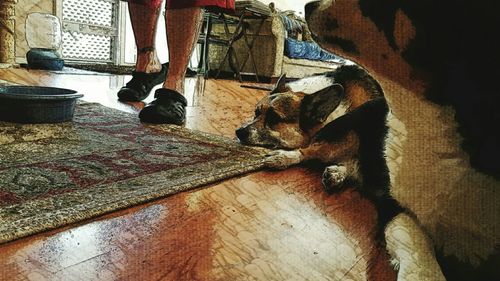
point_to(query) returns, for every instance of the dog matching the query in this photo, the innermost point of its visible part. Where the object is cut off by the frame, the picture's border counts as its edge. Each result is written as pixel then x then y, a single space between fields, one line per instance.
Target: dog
pixel 344 126
pixel 438 68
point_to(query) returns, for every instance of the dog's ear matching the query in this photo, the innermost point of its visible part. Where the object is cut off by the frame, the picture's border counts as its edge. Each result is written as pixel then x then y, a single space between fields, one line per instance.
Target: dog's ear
pixel 316 107
pixel 280 86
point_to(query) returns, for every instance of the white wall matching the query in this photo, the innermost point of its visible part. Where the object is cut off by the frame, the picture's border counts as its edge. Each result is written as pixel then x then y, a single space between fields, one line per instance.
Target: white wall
pixel 295 5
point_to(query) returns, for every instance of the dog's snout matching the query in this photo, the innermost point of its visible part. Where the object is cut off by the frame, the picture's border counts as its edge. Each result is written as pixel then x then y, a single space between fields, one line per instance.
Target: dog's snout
pixel 311 6
pixel 243 133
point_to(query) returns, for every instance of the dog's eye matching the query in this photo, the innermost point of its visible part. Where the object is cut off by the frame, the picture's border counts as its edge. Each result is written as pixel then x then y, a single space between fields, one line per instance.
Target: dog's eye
pixel 272 118
pixel 258 111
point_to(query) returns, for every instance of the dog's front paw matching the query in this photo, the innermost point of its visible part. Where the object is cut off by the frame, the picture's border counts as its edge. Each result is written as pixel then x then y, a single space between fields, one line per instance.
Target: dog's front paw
pixel 282 159
pixel 334 177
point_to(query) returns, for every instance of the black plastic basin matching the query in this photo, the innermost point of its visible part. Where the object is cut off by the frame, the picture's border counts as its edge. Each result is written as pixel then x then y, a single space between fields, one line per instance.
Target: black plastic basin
pixel 32 104
pixel 44 59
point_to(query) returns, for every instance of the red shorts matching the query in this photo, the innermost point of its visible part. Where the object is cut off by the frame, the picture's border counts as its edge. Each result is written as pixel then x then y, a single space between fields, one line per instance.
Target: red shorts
pixel 179 4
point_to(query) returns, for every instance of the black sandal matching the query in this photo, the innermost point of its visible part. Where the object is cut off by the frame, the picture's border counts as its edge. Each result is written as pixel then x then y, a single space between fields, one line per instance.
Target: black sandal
pixel 139 87
pixel 169 107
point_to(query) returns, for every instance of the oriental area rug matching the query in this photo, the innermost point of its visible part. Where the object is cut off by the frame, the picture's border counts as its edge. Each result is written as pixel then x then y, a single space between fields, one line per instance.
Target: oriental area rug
pixel 104 160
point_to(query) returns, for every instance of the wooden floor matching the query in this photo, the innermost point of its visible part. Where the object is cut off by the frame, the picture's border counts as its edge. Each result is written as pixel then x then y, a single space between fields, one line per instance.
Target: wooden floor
pixel 263 226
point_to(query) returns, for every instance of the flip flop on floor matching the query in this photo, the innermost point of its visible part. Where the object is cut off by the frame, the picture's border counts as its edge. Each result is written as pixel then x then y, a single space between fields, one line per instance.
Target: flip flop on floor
pixel 141 84
pixel 169 107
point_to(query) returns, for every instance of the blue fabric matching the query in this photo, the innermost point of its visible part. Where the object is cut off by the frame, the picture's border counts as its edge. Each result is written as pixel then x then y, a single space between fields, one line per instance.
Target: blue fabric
pixel 307 50
pixel 292 26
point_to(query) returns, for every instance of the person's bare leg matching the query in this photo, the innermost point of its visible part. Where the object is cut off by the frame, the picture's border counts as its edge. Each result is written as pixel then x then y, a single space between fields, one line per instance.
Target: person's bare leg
pixel 144 22
pixel 169 106
pixel 149 72
pixel 183 28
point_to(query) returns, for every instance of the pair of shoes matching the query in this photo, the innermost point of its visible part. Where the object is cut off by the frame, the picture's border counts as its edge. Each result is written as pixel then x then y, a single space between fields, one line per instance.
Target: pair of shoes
pixel 140 85
pixel 169 107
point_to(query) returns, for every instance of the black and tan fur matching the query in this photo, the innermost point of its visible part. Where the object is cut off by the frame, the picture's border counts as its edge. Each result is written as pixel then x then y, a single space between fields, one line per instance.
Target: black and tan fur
pixel 438 64
pixel 342 126
pixel 447 50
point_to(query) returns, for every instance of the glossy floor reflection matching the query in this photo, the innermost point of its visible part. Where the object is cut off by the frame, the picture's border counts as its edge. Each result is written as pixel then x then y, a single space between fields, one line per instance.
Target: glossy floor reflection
pixel 261 226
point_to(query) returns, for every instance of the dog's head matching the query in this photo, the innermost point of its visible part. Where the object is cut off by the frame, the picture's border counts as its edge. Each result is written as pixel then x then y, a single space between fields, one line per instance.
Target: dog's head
pixel 286 119
pixel 408 42
pixel 376 34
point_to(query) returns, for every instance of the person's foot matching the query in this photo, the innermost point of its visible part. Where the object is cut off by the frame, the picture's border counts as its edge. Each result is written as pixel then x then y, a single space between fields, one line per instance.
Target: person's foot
pixel 141 84
pixel 169 107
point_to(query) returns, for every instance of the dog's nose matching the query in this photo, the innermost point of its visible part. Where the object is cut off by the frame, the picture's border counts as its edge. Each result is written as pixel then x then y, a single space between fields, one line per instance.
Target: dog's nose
pixel 310 7
pixel 242 133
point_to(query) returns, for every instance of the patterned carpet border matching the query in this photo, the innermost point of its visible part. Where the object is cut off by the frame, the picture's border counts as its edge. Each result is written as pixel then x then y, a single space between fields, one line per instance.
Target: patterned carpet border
pixel 220 158
pixel 52 218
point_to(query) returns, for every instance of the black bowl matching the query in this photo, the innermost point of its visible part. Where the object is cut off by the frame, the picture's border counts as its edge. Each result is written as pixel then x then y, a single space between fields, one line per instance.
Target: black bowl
pixel 32 104
pixel 44 59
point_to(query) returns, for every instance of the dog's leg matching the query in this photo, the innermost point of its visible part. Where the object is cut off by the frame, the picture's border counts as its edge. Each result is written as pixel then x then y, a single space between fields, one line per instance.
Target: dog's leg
pixel 334 177
pixel 411 250
pixel 282 159
pixel 326 152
